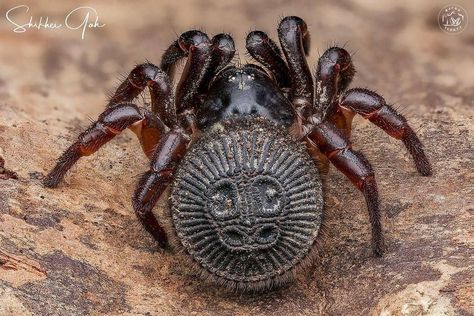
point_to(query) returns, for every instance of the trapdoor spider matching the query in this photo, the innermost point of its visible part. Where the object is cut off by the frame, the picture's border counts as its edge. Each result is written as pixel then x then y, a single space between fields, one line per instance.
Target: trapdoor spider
pixel 234 143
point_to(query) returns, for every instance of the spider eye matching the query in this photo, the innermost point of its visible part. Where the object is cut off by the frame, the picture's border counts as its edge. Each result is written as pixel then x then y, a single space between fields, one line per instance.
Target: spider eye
pixel 223 200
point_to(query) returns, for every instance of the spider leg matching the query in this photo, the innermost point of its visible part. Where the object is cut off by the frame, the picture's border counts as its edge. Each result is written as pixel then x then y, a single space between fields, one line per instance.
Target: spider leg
pixel 170 58
pixel 161 92
pixel 294 39
pixel 204 59
pixel 266 52
pixel 151 185
pixel 198 50
pixel 223 50
pixel 148 127
pixel 373 107
pixel 333 74
pixel 332 143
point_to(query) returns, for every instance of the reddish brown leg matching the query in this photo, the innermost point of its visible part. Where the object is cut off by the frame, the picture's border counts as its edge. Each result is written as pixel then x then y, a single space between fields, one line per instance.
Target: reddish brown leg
pixel 266 52
pixel 198 49
pixel 333 75
pixel 196 46
pixel 151 185
pixel 294 40
pixel 111 122
pixel 161 92
pixel 204 59
pixel 223 50
pixel 373 107
pixel 355 166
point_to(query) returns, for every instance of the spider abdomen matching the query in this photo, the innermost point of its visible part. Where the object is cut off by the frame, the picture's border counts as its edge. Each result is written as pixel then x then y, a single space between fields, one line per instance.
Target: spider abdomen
pixel 247 204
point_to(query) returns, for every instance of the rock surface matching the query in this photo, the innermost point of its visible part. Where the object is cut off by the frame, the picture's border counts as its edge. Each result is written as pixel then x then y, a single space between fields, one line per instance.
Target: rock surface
pixel 79 249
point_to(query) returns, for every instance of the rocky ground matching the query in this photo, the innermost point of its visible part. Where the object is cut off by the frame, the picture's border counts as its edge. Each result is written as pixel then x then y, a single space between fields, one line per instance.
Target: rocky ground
pixel 79 249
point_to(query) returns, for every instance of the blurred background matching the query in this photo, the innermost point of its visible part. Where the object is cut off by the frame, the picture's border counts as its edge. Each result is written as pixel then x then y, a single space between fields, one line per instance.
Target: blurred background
pixel 80 250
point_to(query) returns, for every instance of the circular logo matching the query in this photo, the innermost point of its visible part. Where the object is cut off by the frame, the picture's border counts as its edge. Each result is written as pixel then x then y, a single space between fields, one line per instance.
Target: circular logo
pixel 452 19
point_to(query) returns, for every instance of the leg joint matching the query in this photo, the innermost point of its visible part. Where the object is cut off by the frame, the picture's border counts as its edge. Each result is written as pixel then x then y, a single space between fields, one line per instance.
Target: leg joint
pixel 121 116
pixel 142 74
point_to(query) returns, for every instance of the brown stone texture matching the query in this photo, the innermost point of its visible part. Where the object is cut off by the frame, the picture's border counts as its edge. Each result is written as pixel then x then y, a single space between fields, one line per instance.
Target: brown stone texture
pixel 79 250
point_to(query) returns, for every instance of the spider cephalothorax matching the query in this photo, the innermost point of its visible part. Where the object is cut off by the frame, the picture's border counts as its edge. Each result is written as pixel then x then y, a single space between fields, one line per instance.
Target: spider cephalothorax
pixel 242 149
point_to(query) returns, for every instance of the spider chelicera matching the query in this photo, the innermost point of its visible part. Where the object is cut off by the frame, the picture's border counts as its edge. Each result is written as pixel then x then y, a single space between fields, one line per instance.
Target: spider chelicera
pixel 242 148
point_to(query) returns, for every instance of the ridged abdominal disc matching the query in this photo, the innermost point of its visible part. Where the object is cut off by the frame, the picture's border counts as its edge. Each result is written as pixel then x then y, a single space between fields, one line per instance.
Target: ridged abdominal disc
pixel 247 203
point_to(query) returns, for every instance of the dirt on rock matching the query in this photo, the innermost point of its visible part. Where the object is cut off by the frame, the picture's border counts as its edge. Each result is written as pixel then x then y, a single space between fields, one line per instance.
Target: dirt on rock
pixel 79 249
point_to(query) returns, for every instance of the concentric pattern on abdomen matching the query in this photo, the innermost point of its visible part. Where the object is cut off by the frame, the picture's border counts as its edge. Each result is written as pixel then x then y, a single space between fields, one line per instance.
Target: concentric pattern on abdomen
pixel 247 202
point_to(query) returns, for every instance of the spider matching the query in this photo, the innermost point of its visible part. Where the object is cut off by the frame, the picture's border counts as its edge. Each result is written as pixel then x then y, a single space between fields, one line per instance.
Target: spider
pixel 243 149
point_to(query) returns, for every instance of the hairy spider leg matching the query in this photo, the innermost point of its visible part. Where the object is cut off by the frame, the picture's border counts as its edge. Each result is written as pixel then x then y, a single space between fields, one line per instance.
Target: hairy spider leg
pixel 223 50
pixel 161 91
pixel 373 107
pixel 152 183
pixel 337 148
pixel 294 40
pixel 148 127
pixel 204 59
pixel 265 51
pixel 333 75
